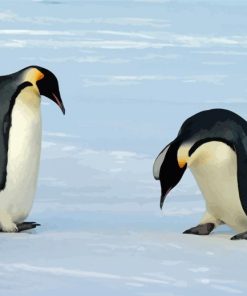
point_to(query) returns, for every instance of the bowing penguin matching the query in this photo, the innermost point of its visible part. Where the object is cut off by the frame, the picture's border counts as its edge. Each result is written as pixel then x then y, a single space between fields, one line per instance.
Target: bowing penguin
pixel 213 144
pixel 20 141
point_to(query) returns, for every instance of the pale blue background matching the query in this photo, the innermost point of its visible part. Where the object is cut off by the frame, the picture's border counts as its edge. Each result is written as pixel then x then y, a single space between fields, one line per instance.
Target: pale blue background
pixel 130 73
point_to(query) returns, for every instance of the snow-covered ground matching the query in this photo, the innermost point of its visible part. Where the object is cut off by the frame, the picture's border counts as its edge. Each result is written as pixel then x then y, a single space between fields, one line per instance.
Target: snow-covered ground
pixel 130 72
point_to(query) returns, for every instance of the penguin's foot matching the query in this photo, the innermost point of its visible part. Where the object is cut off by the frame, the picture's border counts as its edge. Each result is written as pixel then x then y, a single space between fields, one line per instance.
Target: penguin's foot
pixel 26 226
pixel 242 235
pixel 12 227
pixel 201 229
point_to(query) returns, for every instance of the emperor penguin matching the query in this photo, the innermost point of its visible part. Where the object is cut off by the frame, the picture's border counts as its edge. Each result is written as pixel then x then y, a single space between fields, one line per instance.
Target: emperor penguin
pixel 213 144
pixel 20 141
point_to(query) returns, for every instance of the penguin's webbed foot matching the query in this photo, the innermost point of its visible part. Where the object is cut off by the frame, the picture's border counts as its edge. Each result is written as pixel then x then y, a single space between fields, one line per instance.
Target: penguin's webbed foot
pixel 201 229
pixel 242 235
pixel 26 226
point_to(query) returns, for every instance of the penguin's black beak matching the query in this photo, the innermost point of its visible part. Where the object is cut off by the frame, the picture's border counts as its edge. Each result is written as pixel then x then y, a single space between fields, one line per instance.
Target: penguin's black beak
pixel 57 99
pixel 162 198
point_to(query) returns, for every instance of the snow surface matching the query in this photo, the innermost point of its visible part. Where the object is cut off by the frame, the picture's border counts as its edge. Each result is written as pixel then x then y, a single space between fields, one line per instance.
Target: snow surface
pixel 130 72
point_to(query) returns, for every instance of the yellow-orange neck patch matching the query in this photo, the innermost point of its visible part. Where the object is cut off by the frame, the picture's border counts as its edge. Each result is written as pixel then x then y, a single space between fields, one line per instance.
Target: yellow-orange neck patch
pixel 33 75
pixel 182 155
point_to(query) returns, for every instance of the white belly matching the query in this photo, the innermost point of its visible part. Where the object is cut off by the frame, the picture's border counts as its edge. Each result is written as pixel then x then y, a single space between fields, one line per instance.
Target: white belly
pixel 214 166
pixel 23 158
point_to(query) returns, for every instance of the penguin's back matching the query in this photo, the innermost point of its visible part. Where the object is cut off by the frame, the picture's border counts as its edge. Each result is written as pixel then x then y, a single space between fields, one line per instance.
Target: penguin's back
pixel 218 123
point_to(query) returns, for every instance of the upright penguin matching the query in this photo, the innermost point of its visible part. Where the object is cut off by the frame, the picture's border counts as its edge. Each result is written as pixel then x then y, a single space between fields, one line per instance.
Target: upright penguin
pixel 213 144
pixel 20 141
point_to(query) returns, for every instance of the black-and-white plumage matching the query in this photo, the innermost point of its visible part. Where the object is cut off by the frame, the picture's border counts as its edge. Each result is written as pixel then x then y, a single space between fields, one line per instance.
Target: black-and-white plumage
pixel 213 144
pixel 20 141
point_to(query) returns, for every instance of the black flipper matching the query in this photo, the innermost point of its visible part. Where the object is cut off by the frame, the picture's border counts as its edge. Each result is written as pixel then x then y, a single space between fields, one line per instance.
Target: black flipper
pixel 9 91
pixel 241 150
pixel 201 229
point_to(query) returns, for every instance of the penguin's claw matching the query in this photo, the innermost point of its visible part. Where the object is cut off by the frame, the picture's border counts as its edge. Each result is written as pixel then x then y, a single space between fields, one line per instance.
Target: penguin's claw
pixel 239 236
pixel 201 229
pixel 26 226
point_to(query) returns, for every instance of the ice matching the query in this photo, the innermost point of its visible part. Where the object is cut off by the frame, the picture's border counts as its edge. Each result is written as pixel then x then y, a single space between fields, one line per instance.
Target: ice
pixel 130 72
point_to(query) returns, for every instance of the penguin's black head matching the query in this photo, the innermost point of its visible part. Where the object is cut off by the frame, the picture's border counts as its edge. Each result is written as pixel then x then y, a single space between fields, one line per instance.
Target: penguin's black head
pixel 48 86
pixel 168 169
